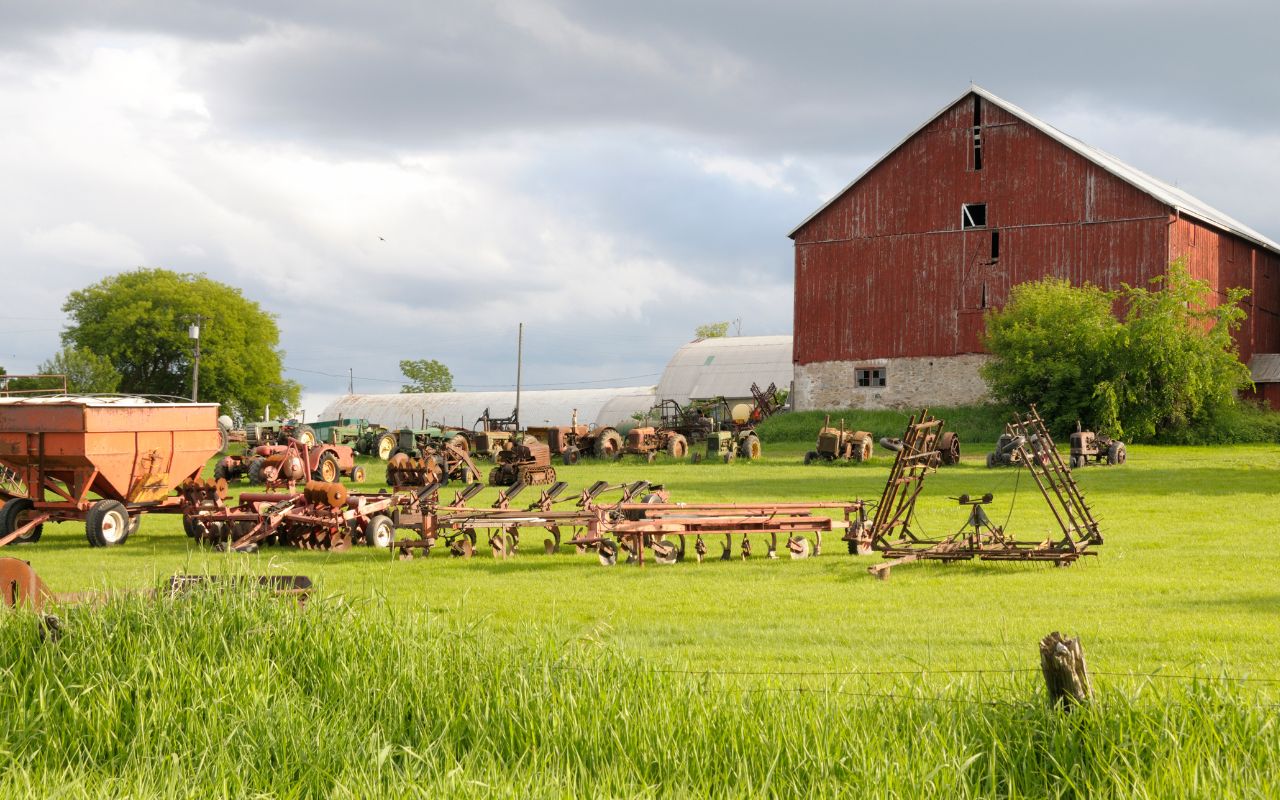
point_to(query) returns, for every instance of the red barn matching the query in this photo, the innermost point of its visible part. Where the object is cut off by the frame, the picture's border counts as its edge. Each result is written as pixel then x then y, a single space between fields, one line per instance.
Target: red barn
pixel 894 274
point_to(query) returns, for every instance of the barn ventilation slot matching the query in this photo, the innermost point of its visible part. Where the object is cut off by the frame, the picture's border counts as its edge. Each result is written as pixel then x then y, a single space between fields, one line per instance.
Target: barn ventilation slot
pixel 977 133
pixel 995 245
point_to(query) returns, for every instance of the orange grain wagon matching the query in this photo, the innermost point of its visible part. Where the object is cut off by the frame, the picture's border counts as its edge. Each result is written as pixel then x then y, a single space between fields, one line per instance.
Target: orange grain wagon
pixel 103 460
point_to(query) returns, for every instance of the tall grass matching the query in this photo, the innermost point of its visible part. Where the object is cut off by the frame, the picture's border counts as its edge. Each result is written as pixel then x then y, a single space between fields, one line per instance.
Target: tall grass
pixel 980 423
pixel 217 695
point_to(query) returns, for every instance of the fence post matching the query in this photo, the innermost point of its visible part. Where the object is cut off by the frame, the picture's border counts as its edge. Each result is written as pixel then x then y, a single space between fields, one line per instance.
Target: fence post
pixel 1065 675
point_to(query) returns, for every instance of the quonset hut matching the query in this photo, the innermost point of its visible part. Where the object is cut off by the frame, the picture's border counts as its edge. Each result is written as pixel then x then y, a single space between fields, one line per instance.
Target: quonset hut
pixel 726 367
pixel 895 274
pixel 537 407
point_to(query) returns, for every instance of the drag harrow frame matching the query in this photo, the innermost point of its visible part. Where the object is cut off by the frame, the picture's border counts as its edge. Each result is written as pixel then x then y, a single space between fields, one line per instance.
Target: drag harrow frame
pixel 894 534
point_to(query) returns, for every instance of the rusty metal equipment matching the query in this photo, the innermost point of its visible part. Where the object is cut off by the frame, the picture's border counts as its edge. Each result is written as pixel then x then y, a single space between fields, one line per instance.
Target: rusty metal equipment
pixel 436 464
pixel 291 463
pixel 1088 447
pixel 103 461
pixel 20 586
pixel 838 443
pixel 1014 445
pixel 895 534
pixel 528 462
pixel 574 441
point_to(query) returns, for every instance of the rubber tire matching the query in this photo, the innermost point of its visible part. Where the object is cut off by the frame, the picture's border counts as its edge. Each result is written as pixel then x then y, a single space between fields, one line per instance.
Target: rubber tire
pixel 949 445
pixel 105 517
pixel 810 457
pixel 224 440
pixel 1116 453
pixel 677 446
pixel 306 434
pixel 255 470
pixel 863 449
pixel 570 456
pixel 991 461
pixel 8 520
pixel 385 443
pixel 357 474
pixel 379 526
pixel 1076 462
pixel 329 461
pixel 750 447
pixel 608 443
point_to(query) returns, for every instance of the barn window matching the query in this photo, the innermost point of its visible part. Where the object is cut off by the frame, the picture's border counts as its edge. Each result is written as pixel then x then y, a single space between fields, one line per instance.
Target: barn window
pixel 983 302
pixel 995 245
pixel 871 376
pixel 973 215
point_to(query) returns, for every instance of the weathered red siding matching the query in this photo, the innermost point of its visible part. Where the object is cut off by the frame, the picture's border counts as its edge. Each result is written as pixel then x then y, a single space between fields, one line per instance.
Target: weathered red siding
pixel 886 271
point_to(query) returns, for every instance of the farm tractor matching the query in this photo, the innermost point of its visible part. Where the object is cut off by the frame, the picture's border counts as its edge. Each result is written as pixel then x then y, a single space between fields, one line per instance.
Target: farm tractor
pixel 572 442
pixel 677 428
pixel 492 435
pixel 839 443
pixel 527 463
pixel 734 433
pixel 288 464
pixel 279 432
pixel 1013 448
pixel 366 438
pixel 1098 448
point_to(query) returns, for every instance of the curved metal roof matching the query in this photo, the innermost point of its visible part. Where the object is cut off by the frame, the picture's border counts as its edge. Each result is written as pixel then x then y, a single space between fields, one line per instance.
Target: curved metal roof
pixel 726 366
pixel 537 407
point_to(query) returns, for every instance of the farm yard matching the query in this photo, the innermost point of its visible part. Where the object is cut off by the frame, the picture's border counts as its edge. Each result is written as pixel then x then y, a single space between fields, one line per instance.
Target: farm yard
pixel 554 676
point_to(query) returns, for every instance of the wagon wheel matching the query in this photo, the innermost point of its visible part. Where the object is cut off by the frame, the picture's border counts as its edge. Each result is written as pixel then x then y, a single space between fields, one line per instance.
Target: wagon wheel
pixel 380 531
pixel 107 524
pixel 15 513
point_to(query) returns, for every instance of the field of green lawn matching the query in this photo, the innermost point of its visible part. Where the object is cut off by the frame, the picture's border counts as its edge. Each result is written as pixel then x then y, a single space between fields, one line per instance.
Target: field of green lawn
pixel 1188 579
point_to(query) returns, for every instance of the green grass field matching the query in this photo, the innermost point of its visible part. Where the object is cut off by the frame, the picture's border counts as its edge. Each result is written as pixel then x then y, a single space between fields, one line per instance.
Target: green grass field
pixel 553 676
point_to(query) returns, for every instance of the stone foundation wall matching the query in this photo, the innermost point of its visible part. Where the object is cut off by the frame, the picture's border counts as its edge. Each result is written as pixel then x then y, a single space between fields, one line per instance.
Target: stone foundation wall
pixel 909 383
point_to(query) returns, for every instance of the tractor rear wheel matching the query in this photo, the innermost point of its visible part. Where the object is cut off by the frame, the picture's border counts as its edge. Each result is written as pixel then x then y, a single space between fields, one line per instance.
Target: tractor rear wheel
pixel 1116 453
pixel 863 449
pixel 255 470
pixel 677 446
pixel 385 445
pixel 14 514
pixel 306 435
pixel 810 457
pixel 107 524
pixel 750 447
pixel 608 443
pixel 326 468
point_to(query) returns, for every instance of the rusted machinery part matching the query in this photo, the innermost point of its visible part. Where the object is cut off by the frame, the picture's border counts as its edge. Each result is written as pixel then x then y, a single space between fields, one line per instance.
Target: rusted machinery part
pixel 677 446
pixel 608 443
pixel 949 446
pixel 332 494
pixel 20 585
pixel 570 455
pixel 799 547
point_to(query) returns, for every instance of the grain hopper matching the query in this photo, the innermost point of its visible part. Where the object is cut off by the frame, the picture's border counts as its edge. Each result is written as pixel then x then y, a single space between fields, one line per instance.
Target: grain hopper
pixel 102 460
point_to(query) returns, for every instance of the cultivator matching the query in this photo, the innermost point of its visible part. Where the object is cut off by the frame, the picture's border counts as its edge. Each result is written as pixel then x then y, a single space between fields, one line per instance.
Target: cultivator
pixel 894 534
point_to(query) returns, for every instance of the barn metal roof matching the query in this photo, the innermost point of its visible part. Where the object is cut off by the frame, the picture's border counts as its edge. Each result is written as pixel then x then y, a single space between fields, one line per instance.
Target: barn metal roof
pixel 1265 367
pixel 537 407
pixel 726 366
pixel 1165 193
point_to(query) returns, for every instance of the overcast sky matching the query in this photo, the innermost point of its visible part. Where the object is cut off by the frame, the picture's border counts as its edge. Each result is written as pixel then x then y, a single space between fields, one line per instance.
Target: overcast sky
pixel 411 179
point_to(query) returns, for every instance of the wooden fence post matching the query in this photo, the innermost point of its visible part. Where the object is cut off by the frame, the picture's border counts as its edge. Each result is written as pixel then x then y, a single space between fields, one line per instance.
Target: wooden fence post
pixel 1065 675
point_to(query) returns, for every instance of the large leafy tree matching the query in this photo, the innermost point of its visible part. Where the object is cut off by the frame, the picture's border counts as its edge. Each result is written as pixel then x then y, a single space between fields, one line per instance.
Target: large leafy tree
pixel 138 322
pixel 426 375
pixel 1167 365
pixel 86 371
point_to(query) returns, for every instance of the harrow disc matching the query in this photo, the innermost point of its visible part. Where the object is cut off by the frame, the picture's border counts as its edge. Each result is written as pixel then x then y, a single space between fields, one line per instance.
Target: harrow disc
pixel 607 553
pixel 799 547
pixel 665 552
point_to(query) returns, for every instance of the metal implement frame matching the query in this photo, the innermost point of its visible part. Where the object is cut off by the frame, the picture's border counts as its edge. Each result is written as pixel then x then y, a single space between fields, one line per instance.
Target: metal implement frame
pixel 892 535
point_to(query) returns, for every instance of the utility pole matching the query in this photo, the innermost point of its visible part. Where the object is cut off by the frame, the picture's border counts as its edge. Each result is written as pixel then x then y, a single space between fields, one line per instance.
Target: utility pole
pixel 519 364
pixel 194 332
pixel 351 380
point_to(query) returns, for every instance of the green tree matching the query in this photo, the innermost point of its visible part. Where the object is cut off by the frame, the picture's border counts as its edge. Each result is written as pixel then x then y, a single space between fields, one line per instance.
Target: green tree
pixel 712 330
pixel 426 375
pixel 86 371
pixel 1168 366
pixel 138 321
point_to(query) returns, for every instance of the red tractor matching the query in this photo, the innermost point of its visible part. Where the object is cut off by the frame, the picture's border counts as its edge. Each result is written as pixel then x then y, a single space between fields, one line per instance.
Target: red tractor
pixel 294 462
